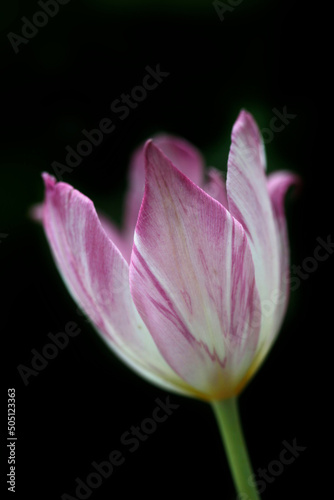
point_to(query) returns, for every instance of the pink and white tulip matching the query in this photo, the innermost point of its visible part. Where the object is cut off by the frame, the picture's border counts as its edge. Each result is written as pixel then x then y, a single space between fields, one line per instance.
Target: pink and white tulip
pixel 178 292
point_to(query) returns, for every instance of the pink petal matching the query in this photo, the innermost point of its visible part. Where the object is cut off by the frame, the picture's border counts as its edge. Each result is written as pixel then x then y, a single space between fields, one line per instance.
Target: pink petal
pixel 215 187
pixel 97 277
pixel 192 280
pixel 182 154
pixel 250 204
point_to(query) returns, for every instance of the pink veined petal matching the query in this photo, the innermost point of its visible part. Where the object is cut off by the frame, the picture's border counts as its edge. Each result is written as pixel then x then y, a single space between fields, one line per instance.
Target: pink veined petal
pixel 181 153
pixel 114 233
pixel 97 277
pixel 215 187
pixel 192 280
pixel 249 203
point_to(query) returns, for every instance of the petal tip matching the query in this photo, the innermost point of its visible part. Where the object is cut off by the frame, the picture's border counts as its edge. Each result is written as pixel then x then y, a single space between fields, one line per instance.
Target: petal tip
pixel 49 181
pixel 244 120
pixel 247 136
pixel 151 153
pixel 148 147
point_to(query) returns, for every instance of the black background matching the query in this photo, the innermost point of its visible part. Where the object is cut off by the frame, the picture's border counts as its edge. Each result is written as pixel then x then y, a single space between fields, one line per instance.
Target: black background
pixel 263 55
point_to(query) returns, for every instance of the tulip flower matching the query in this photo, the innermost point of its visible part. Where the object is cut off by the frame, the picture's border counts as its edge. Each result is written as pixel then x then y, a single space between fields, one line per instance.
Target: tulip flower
pixel 178 292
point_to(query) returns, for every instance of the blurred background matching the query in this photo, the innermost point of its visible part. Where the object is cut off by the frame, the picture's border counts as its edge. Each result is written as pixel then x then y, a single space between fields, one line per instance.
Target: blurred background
pixel 62 72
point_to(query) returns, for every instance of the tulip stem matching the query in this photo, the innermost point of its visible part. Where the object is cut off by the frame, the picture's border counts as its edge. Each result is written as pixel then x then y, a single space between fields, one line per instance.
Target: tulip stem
pixel 227 415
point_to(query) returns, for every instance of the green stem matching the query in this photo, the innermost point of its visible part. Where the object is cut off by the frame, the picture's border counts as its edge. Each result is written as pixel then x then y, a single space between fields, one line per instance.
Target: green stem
pixel 229 424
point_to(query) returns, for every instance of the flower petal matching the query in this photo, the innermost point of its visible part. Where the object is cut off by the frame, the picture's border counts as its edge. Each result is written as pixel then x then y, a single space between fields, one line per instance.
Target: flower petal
pixel 192 280
pixel 249 203
pixel 182 154
pixel 97 277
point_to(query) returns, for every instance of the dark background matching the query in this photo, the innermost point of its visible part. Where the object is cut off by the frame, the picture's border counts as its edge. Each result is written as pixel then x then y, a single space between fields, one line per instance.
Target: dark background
pixel 263 55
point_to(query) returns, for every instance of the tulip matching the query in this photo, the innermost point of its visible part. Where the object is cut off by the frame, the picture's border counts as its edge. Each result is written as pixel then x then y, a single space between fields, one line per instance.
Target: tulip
pixel 180 293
